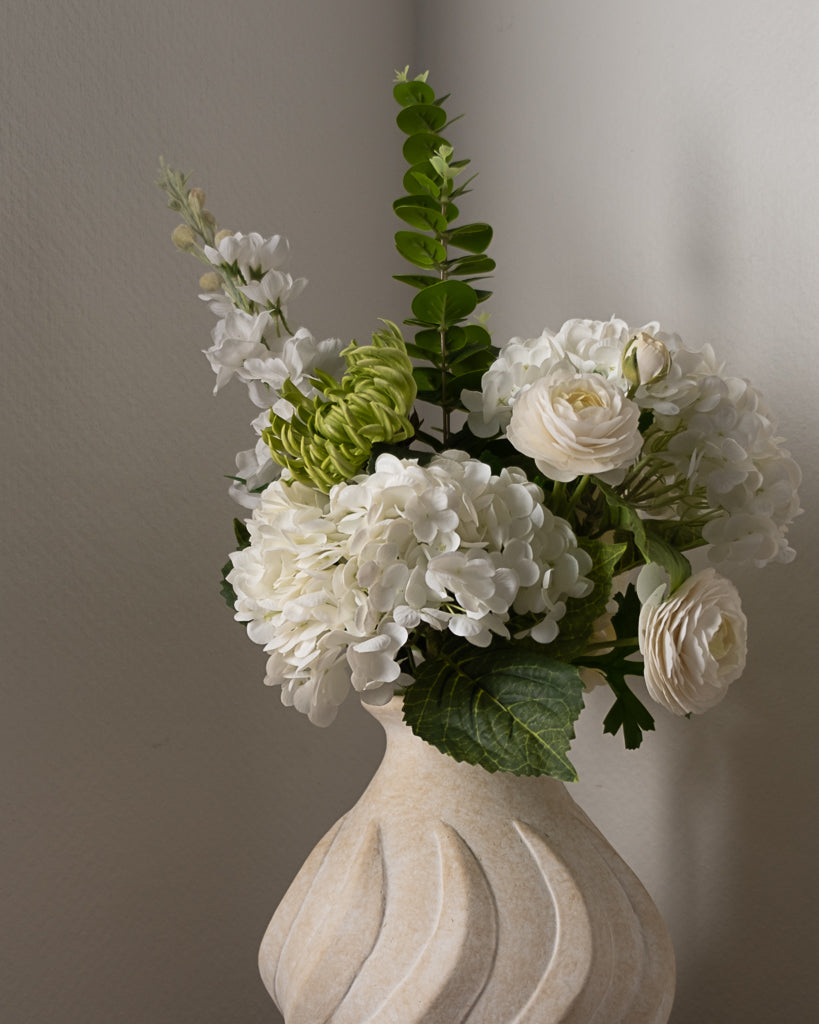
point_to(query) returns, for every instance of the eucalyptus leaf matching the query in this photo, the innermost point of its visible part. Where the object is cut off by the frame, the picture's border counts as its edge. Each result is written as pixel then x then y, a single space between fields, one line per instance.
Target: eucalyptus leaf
pixel 506 708
pixel 428 218
pixel 419 249
pixel 408 93
pixel 417 181
pixel 472 237
pixel 421 117
pixel 470 265
pixel 422 146
pixel 444 303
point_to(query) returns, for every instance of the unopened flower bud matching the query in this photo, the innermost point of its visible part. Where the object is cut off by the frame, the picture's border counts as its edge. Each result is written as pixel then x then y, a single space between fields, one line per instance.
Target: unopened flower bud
pixel 183 238
pixel 196 197
pixel 222 235
pixel 210 282
pixel 645 360
pixel 209 219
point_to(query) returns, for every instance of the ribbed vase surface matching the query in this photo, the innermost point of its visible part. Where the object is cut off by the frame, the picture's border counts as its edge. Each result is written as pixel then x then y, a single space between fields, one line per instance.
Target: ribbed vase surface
pixel 449 895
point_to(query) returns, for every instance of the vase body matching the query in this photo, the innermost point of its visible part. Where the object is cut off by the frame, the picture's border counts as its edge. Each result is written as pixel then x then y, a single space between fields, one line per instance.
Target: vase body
pixel 449 894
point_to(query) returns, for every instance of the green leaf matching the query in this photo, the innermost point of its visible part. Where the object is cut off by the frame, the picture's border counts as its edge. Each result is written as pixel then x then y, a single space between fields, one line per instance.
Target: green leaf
pixel 422 147
pixel 506 708
pixel 470 265
pixel 444 303
pixel 241 533
pixel 472 237
pixel 628 712
pixel 417 280
pixel 417 180
pixel 426 379
pixel 419 249
pixel 651 545
pixel 408 93
pixel 420 212
pixel 581 613
pixel 430 340
pixel 421 117
pixel 226 589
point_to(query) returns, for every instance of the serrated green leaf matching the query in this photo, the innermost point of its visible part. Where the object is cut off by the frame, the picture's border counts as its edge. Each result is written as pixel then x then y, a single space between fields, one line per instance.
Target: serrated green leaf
pixel 422 146
pixel 472 237
pixel 408 93
pixel 420 212
pixel 505 708
pixel 421 117
pixel 419 249
pixel 444 303
pixel 226 589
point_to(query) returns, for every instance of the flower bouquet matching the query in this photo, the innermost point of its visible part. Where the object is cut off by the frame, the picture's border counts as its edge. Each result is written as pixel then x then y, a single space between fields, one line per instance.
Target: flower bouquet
pixel 488 531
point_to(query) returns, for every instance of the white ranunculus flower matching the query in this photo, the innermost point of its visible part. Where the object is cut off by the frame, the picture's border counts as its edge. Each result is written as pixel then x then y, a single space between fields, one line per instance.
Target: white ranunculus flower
pixel 693 643
pixel 574 424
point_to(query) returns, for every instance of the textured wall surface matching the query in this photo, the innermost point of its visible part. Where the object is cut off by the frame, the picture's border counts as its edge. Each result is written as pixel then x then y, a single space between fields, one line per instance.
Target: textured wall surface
pixel 650 160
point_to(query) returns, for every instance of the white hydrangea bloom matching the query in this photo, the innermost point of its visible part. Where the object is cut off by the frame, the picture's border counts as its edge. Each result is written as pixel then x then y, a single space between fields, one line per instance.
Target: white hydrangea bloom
pixel 332 585
pixel 724 444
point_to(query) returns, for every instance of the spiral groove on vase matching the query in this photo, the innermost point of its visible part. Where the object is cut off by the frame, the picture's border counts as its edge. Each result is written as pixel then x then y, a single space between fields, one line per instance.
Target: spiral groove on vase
pixel 451 896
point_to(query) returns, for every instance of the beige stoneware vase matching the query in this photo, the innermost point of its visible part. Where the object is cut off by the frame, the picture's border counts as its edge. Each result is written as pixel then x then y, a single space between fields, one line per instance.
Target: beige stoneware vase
pixel 449 894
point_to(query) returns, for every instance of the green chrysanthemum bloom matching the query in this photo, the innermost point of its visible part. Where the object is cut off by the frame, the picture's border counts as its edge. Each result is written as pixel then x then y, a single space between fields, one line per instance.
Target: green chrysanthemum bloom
pixel 329 438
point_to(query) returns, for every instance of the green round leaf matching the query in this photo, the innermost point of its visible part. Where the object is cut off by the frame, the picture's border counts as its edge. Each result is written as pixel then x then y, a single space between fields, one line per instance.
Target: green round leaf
pixel 422 146
pixel 419 249
pixel 421 117
pixel 408 93
pixel 420 212
pixel 445 303
pixel 471 265
pixel 472 237
pixel 418 180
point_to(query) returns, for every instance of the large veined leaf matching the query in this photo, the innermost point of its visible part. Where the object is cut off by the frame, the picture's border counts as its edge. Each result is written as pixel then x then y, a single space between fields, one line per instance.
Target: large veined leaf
pixel 508 709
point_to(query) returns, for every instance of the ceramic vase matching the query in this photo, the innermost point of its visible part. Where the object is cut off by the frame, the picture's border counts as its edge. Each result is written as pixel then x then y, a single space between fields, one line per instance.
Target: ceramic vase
pixel 449 894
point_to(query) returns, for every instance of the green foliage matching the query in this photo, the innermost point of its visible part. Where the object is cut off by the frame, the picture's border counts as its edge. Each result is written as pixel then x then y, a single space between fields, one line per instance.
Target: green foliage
pixel 648 538
pixel 582 612
pixel 242 535
pixel 442 306
pixel 507 708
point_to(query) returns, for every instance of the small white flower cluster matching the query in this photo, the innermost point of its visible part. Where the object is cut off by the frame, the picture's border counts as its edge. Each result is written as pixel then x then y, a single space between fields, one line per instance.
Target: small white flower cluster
pixel 332 585
pixel 249 344
pixel 724 442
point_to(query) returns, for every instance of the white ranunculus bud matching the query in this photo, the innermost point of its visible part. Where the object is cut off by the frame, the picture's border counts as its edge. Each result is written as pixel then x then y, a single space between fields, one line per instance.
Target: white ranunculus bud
pixel 645 360
pixel 693 643
pixel 574 424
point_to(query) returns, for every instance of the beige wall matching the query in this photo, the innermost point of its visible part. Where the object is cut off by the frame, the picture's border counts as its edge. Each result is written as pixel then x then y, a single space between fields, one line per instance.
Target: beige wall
pixel 636 157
